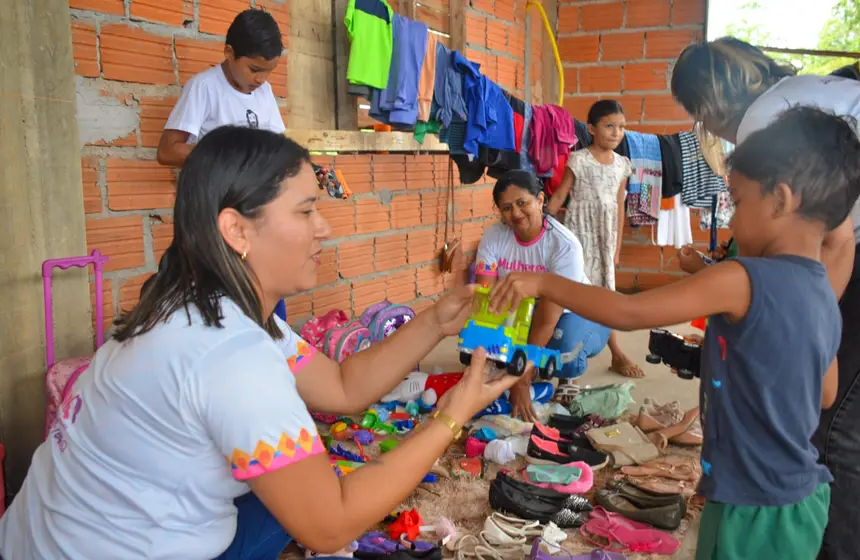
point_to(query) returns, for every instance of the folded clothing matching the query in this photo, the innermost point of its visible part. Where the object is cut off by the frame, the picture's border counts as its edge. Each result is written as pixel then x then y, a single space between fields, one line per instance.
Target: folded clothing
pixel 580 485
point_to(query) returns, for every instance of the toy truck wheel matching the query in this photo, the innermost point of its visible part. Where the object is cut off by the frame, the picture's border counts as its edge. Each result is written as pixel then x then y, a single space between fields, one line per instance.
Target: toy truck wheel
pixel 465 358
pixel 549 370
pixel 653 359
pixel 518 363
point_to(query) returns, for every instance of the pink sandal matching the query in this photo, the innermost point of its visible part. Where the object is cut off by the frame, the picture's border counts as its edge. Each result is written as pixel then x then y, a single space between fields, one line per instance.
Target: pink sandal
pixel 624 535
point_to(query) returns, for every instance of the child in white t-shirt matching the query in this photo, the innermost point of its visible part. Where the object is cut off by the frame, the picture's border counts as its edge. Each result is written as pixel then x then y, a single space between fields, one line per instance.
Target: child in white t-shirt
pixel 236 92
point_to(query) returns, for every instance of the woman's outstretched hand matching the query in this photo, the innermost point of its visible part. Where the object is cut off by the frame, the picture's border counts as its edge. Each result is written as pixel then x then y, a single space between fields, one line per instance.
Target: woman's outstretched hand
pixel 476 389
pixel 452 309
pixel 513 288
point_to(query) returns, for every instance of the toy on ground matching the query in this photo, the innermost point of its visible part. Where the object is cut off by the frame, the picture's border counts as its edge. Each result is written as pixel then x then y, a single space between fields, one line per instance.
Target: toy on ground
pixel 681 354
pixel 505 338
pixel 427 388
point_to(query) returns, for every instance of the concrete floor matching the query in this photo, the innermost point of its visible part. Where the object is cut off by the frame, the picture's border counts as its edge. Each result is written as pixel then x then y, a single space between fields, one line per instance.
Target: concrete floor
pixel 659 383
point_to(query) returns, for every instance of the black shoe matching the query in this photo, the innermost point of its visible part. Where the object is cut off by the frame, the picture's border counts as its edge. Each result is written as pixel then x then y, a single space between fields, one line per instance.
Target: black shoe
pixel 564 423
pixel 555 434
pixel 506 499
pixel 572 502
pixel 644 499
pixel 545 452
pixel 666 517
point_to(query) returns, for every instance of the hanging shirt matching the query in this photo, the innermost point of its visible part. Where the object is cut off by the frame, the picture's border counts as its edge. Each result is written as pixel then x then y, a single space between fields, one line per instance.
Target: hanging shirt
pixel 490 119
pixel 701 184
pixel 646 179
pixel 209 101
pixel 368 25
pixel 670 159
pixel 552 134
pixel 448 88
pixel 397 104
pixel 428 77
pixel 840 96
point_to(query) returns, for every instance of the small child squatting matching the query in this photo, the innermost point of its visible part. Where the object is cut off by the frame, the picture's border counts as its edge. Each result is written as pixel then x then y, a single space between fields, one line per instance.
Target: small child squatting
pixel 769 358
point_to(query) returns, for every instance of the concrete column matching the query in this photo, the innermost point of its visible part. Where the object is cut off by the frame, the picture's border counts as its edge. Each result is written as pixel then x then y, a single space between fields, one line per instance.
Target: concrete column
pixel 41 216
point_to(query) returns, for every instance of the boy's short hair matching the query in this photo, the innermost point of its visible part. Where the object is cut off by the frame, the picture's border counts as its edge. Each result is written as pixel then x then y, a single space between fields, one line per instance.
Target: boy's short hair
pixel 817 154
pixel 255 33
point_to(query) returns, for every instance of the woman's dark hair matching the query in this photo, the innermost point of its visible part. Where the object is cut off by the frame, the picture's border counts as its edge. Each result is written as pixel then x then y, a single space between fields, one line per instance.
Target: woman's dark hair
pixel 717 81
pixel 517 178
pixel 255 33
pixel 231 167
pixel 603 108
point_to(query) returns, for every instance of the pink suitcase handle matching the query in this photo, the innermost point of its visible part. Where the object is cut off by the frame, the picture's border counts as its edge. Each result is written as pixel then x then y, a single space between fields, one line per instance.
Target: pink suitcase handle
pixel 97 260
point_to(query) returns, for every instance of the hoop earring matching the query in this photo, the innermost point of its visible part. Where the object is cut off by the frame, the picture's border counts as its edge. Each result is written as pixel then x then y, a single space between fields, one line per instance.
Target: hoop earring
pixel 244 255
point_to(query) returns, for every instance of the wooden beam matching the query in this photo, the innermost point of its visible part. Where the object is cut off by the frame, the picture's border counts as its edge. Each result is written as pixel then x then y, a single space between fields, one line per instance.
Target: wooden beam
pixel 360 141
pixel 346 106
pixel 311 68
pixel 812 52
pixel 457 25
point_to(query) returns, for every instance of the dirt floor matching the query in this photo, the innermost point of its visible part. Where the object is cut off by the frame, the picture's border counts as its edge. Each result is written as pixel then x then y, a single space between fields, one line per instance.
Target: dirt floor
pixel 465 502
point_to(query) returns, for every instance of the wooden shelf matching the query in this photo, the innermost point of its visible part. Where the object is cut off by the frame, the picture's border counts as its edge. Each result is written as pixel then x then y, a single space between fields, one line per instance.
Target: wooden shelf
pixel 360 141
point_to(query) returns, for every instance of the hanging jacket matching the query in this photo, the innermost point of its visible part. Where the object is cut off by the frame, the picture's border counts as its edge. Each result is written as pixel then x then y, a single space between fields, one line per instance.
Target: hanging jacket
pixel 397 104
pixel 448 88
pixel 552 134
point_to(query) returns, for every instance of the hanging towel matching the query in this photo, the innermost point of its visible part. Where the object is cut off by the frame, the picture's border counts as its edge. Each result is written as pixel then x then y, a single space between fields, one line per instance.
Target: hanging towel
pixel 428 79
pixel 397 104
pixel 670 154
pixel 647 178
pixel 701 185
pixel 368 25
pixel 723 214
pixel 673 226
pixel 553 133
pixel 490 119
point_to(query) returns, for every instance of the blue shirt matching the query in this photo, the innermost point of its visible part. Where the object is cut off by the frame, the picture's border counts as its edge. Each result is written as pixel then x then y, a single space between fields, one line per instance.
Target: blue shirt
pixel 760 395
pixel 448 88
pixel 490 120
pixel 398 102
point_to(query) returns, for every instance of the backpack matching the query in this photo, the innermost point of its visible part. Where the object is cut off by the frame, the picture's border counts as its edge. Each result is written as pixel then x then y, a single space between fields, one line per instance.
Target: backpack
pixel 314 331
pixel 384 318
pixel 342 342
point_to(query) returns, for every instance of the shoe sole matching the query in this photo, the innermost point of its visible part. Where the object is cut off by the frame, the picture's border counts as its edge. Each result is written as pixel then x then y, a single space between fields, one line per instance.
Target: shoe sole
pixel 536 461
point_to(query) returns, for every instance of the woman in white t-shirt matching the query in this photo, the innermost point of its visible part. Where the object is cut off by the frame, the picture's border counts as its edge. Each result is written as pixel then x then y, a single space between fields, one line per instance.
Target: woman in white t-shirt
pixel 734 89
pixel 192 404
pixel 528 239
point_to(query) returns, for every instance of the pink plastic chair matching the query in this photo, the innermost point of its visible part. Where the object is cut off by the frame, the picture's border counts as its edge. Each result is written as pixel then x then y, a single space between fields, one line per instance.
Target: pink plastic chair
pixel 60 376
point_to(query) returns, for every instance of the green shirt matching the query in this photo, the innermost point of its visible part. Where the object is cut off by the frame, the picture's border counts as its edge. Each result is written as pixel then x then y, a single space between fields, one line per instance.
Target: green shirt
pixel 368 24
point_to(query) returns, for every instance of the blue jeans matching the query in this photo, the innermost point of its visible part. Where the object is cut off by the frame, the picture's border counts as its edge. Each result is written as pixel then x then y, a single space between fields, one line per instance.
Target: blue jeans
pixel 571 331
pixel 259 536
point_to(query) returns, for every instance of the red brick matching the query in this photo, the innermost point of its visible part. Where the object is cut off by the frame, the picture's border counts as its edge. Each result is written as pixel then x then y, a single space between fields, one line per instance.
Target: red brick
pixel 632 106
pixel 578 106
pixel 139 185
pixel 462 205
pixel 84 49
pixel 420 172
pixel 278 78
pixel 430 281
pixel 120 238
pixel 340 215
pixel 107 303
pixel 571 80
pixel 647 13
pixel 196 55
pixel 355 258
pixel 400 287
pixel 670 262
pixel 646 76
pixel 115 7
pixel 640 257
pixel 89 177
pixel 298 307
pixel 406 211
pixel 579 49
pixel 663 108
pixel 497 35
pixel 482 203
pixel 217 15
pixel 649 128
pixel 476 29
pixel 504 9
pixel 371 216
pixel 171 12
pixel 594 17
pixel 368 292
pixel 129 54
pixel 356 172
pixel 594 79
pixel 280 10
pixel 622 46
pixel 485 6
pixel 568 20
pixel 162 234
pixel 516 41
pixel 129 291
pixel 389 252
pixel 688 12
pixel 327 271
pixel 507 73
pixel 433 207
pixel 389 174
pixel 326 299
pixel 667 44
pixel 422 245
pixel 471 234
pixel 685 126
pixel 651 280
pixel 154 112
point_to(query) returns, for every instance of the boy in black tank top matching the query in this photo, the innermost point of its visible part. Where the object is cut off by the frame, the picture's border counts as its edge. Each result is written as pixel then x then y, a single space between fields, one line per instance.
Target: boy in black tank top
pixel 769 358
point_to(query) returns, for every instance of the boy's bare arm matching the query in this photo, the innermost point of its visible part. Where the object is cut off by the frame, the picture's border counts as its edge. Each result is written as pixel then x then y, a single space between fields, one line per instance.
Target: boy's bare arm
pixel 723 288
pixel 173 148
pixel 830 386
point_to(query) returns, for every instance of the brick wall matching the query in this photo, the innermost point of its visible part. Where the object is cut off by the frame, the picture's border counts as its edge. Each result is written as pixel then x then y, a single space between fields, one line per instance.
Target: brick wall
pixel 624 50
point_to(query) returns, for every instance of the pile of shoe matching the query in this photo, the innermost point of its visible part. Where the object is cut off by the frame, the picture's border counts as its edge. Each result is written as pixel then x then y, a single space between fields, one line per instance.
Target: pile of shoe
pixel 507 538
pixel 531 502
pixel 668 423
pixel 563 442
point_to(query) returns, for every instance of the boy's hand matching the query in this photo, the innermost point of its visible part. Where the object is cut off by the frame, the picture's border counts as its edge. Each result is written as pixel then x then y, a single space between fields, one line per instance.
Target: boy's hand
pixel 690 260
pixel 513 288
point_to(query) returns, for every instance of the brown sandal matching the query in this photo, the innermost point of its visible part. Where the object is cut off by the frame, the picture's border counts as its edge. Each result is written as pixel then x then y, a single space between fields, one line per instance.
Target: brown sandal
pixel 661 438
pixel 674 472
pixel 658 485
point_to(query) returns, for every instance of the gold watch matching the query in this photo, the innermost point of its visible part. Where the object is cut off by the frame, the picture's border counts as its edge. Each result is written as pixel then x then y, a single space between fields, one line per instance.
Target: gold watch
pixel 456 429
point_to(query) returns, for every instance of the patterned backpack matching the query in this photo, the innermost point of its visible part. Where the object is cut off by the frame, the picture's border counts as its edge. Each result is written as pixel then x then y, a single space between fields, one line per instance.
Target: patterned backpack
pixel 342 342
pixel 384 318
pixel 315 330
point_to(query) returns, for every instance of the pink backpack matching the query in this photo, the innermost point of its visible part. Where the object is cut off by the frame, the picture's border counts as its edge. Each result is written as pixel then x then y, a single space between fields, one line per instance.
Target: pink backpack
pixel 342 342
pixel 314 331
pixel 60 376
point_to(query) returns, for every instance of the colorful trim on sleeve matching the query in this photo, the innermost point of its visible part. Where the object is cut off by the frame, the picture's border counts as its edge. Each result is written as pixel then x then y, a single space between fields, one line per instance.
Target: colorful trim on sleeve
pixel 304 353
pixel 267 459
pixel 486 269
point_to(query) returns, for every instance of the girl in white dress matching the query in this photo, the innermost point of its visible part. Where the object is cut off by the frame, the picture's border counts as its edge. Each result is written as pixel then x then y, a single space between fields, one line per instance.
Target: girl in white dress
pixel 596 179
